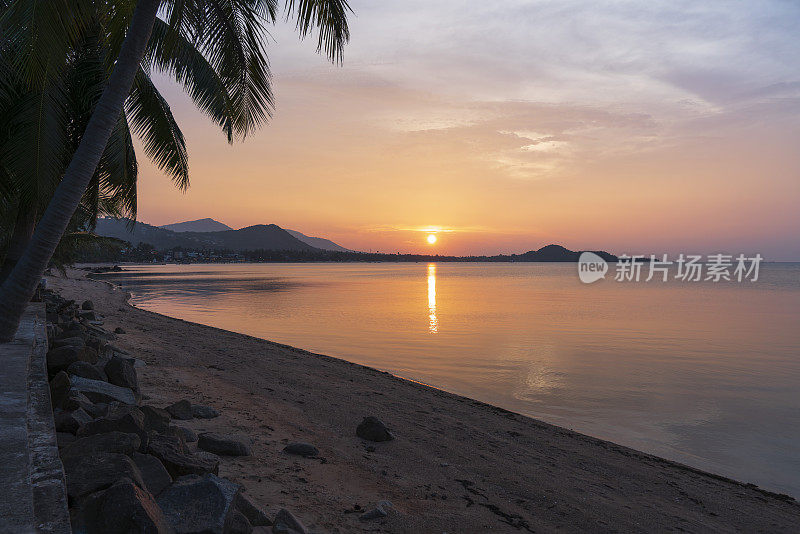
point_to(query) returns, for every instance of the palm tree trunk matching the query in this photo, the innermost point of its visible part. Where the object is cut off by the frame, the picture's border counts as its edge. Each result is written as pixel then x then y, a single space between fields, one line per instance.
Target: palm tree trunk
pixel 20 237
pixel 19 287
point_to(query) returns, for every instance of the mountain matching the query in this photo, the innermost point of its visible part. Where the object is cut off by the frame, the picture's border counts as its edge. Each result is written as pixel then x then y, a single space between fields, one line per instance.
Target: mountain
pixel 318 242
pixel 558 253
pixel 200 225
pixel 262 236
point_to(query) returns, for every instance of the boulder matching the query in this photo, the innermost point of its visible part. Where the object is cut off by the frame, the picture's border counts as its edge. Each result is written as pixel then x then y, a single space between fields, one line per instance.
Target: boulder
pixel 154 474
pixel 121 373
pixel 123 507
pixel 181 410
pixel 99 391
pixel 255 516
pixel 239 524
pixel 119 330
pixel 128 419
pixel 70 422
pixel 117 442
pixel 301 449
pixel 204 412
pixel 85 370
pixel 223 445
pixel 76 341
pixel 59 358
pixel 286 523
pixel 177 459
pixel 75 400
pixel 94 342
pixel 64 438
pixel 86 474
pixel 87 305
pixel 380 511
pixel 199 504
pixel 187 434
pixel 155 419
pixel 59 389
pixel 373 429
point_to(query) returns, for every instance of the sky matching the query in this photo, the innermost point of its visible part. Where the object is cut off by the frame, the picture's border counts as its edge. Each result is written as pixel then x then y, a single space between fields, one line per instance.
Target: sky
pixel 628 126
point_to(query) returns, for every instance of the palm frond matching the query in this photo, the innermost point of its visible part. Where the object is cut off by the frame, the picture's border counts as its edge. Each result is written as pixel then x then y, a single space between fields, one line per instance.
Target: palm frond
pixel 329 17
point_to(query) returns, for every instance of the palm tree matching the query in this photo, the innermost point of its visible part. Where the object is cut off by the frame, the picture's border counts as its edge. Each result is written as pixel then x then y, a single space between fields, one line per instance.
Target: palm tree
pixel 227 33
pixel 41 127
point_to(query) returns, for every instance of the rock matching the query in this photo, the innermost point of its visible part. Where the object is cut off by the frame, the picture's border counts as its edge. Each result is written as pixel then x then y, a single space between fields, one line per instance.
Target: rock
pixel 181 410
pixel 381 510
pixel 87 305
pixel 94 342
pixel 301 449
pixel 86 474
pixel 255 516
pixel 128 419
pixel 223 445
pixel 176 458
pixel 70 421
pixel 76 341
pixel 187 434
pixel 372 429
pixel 119 330
pixel 98 391
pixel 116 442
pixel 64 438
pixel 58 359
pixel 121 373
pixel 286 523
pixel 204 412
pixel 199 504
pixel 207 456
pixel 85 370
pixel 75 400
pixel 59 389
pixel 155 475
pixel 124 507
pixel 239 524
pixel 156 419
pixel 89 315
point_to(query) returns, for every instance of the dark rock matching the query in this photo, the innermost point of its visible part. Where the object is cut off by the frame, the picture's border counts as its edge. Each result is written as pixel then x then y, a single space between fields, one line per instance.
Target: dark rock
pixel 187 434
pixel 177 459
pixel 127 419
pixel 181 410
pixel 58 359
pixel 64 438
pixel 208 456
pixel 87 305
pixel 96 410
pixel 380 511
pixel 239 524
pixel 123 507
pixel 155 475
pixel 116 442
pixel 76 341
pixel 59 389
pixel 85 370
pixel 204 412
pixel 86 474
pixel 75 400
pixel 199 504
pixel 119 330
pixel 301 449
pixel 223 445
pixel 99 391
pixel 286 523
pixel 156 419
pixel 94 342
pixel 255 516
pixel 121 373
pixel 70 421
pixel 372 429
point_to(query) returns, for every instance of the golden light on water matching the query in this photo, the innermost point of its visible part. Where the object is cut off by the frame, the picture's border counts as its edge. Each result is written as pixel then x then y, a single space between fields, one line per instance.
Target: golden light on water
pixel 433 322
pixel 431 238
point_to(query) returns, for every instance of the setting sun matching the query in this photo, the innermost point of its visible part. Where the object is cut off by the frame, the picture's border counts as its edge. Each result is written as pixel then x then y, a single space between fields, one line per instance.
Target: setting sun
pixel 431 238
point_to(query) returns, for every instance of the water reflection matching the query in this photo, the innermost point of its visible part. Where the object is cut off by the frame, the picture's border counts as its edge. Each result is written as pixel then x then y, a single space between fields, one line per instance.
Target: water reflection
pixel 433 322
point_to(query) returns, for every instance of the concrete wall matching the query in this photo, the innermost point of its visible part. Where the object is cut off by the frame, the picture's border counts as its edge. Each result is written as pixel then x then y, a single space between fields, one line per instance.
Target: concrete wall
pixel 32 488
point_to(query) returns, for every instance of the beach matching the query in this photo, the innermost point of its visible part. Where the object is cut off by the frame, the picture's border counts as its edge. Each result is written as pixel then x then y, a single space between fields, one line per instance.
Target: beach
pixel 455 465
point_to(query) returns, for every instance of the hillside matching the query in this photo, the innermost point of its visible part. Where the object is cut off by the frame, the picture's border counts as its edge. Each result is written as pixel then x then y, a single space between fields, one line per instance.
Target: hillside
pixel 318 242
pixel 554 253
pixel 199 225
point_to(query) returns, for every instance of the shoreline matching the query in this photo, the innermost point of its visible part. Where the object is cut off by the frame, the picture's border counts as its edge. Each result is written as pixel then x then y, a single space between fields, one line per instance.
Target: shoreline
pixel 434 482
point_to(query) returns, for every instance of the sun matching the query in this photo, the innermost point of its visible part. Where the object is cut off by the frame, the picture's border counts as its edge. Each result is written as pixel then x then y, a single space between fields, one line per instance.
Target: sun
pixel 431 238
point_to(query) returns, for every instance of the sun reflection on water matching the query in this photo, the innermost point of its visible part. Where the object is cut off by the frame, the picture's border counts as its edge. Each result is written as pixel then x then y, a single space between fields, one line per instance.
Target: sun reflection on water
pixel 433 322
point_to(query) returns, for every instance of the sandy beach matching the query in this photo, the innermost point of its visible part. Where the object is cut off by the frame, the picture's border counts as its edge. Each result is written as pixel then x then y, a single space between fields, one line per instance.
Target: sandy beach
pixel 456 465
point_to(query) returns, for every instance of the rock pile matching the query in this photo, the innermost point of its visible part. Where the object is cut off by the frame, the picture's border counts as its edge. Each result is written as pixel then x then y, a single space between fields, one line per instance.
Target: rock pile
pixel 127 467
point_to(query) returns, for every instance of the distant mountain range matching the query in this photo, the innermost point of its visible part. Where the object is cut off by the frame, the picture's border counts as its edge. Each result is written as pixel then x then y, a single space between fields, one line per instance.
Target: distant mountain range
pixel 262 236
pixel 558 253
pixel 211 225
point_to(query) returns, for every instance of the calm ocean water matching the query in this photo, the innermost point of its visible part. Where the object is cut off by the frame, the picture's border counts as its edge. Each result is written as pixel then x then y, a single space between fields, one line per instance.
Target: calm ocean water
pixel 705 374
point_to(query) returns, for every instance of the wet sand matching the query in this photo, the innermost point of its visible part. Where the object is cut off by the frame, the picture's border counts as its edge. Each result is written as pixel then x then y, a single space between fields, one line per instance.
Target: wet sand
pixel 456 465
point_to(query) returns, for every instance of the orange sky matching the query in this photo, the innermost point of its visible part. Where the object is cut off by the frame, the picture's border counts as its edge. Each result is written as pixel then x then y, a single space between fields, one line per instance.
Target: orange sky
pixel 636 127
